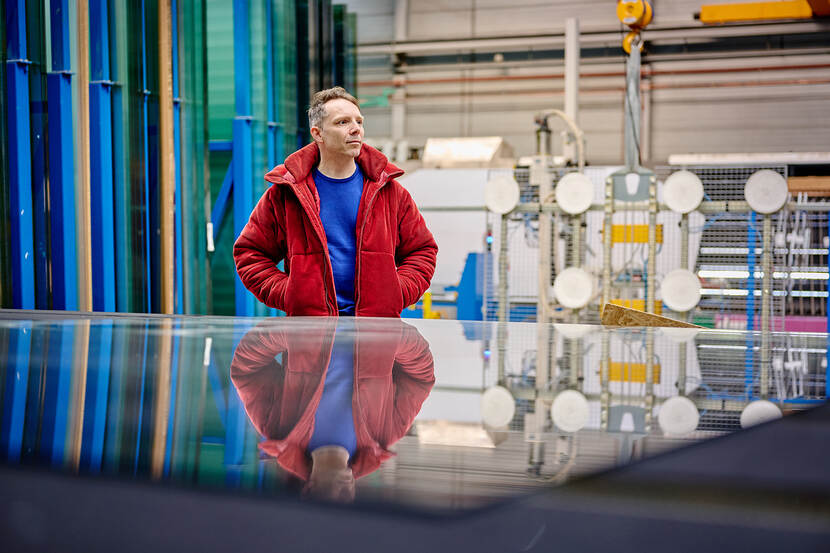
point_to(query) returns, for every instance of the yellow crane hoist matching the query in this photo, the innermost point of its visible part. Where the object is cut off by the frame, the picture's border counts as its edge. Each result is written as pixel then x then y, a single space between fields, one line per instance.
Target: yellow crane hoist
pixel 636 14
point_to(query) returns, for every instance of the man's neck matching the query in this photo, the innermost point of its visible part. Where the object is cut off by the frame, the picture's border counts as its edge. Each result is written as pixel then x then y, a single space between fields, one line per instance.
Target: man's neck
pixel 337 168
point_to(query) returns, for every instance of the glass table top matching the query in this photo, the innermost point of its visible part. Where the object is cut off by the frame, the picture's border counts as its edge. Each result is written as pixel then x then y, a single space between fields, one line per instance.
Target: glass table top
pixel 433 414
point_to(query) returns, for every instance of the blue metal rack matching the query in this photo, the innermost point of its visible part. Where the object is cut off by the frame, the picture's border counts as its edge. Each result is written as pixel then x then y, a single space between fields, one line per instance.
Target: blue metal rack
pixel 243 174
pixel 102 205
pixel 20 158
pixel 62 163
pixel 40 248
pixel 14 403
pixel 96 397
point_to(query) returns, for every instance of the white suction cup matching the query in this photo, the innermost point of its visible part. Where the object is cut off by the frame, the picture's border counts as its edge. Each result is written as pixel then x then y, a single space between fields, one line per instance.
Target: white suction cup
pixel 569 411
pixel 501 194
pixel 497 407
pixel 680 290
pixel 766 191
pixel 759 411
pixel 680 335
pixel 573 288
pixel 574 193
pixel 574 331
pixel 683 191
pixel 678 416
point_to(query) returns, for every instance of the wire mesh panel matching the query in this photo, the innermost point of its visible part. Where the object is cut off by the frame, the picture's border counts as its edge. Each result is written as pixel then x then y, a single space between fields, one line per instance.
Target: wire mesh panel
pixel 626 376
pixel 733 374
pixel 729 260
pixel 725 250
pixel 730 257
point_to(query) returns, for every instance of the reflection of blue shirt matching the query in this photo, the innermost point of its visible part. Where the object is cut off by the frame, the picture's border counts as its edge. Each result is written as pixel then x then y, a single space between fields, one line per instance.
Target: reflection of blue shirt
pixel 339 201
pixel 333 420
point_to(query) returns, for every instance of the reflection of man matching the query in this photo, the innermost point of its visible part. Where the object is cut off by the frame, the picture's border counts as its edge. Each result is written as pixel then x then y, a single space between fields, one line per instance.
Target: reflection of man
pixel 341 395
pixel 352 239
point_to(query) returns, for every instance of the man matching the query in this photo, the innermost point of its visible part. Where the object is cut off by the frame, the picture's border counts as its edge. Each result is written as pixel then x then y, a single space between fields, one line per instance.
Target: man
pixel 331 400
pixel 352 239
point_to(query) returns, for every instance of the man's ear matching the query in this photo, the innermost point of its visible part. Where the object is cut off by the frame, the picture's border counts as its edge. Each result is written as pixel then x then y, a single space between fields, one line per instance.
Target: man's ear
pixel 316 134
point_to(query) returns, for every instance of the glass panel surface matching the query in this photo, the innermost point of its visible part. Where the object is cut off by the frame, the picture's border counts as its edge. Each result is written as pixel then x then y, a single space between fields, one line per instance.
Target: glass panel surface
pixel 438 415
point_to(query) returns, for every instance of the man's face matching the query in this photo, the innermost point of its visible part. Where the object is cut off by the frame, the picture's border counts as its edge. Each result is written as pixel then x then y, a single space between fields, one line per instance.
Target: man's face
pixel 341 132
pixel 331 485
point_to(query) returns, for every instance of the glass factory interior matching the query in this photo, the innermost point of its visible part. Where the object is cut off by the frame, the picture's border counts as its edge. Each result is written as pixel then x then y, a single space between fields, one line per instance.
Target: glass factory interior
pixel 624 345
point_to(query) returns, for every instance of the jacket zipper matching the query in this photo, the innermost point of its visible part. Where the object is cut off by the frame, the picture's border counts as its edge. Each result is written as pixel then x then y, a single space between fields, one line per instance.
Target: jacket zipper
pixel 360 244
pixel 329 270
pixel 330 275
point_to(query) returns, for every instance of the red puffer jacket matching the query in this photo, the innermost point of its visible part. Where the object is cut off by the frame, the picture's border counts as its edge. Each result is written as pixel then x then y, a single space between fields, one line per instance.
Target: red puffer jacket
pixel 393 375
pixel 395 250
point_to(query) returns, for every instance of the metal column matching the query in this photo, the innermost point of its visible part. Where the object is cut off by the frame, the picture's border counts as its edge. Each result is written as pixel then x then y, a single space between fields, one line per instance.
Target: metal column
pixel 13 408
pixel 125 150
pixel 606 240
pixel 684 264
pixel 749 357
pixel 504 307
pixel 243 194
pixel 274 140
pixel 55 406
pixel 766 304
pixel 102 207
pixel 572 52
pixel 149 287
pixel 652 245
pixel 20 158
pixel 62 163
pixel 96 396
pixel 178 296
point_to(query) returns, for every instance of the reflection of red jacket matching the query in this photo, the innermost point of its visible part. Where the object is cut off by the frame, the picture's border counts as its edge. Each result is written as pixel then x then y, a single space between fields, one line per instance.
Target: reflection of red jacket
pixel 395 250
pixel 394 373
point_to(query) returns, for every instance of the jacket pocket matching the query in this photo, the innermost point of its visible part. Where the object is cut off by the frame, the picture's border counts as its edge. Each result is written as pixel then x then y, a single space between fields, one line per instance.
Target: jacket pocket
pixel 379 290
pixel 305 291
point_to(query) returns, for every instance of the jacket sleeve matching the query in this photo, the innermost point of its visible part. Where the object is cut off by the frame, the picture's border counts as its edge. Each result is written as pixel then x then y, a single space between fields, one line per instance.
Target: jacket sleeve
pixel 258 250
pixel 416 251
pixel 414 377
pixel 258 376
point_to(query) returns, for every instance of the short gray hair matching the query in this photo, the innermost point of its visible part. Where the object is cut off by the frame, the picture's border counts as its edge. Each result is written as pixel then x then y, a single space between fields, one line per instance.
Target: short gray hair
pixel 317 110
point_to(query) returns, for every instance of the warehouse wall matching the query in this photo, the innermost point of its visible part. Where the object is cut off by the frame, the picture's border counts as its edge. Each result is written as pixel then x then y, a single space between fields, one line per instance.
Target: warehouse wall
pixel 432 19
pixel 738 94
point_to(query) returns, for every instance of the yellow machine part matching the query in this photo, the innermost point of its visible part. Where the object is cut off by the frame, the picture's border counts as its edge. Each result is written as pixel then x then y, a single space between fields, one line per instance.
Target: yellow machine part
pixel 428 312
pixel 639 305
pixel 757 11
pixel 631 372
pixel 634 13
pixel 633 234
pixel 648 17
pixel 629 38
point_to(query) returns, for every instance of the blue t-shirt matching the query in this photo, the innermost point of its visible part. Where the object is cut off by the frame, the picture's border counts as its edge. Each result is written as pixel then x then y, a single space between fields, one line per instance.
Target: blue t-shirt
pixel 339 201
pixel 334 419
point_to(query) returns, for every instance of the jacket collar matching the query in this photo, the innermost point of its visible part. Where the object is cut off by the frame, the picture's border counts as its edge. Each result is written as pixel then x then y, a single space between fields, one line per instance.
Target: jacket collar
pixel 299 165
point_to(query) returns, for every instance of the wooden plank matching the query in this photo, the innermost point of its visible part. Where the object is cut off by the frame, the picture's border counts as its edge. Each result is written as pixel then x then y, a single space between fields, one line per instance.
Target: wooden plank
pixel 615 315
pixel 167 159
pixel 812 186
pixel 639 305
pixel 84 245
pixel 161 403
pixel 80 364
